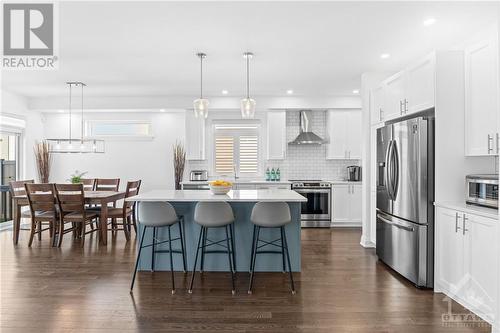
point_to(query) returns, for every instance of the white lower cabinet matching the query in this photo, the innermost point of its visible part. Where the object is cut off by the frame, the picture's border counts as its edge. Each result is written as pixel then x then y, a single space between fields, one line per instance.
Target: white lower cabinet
pixel 346 205
pixel 466 254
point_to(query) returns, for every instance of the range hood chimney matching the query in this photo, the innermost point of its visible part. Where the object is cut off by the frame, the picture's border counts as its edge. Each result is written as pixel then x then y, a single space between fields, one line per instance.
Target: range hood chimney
pixel 306 136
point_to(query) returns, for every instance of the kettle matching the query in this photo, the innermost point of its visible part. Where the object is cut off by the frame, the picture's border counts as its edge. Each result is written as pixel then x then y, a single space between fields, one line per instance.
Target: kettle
pixel 354 173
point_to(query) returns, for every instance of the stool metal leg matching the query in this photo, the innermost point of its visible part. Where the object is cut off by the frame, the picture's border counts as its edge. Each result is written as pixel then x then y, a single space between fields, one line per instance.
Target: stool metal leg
pixel 233 291
pixel 288 259
pixel 153 250
pixel 190 290
pixel 283 250
pixel 254 256
pixel 171 259
pixel 137 260
pixel 203 244
pixel 253 245
pixel 233 249
pixel 183 250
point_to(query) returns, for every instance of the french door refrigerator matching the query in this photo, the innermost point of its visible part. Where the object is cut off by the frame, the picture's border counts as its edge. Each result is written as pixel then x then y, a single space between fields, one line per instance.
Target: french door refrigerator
pixel 405 196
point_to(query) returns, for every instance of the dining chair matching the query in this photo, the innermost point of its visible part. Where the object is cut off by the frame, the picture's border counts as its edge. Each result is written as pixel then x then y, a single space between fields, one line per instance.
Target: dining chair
pixel 17 189
pixel 88 183
pixel 107 184
pixel 71 201
pixel 126 212
pixel 42 203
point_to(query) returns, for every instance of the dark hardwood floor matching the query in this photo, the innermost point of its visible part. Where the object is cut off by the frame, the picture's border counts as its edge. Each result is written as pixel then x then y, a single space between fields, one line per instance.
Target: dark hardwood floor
pixel 342 288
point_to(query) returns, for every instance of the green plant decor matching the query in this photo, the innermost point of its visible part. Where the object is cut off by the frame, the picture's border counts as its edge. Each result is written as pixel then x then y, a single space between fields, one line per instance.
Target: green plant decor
pixel 76 177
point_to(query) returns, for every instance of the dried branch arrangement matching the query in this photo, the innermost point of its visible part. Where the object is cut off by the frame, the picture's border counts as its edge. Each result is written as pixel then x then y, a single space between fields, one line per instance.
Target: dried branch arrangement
pixel 179 163
pixel 43 160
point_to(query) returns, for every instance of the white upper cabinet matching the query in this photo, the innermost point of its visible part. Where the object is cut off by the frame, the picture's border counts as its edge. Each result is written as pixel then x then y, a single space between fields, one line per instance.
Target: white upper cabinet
pixel 377 105
pixel 344 134
pixel 395 95
pixel 276 135
pixel 481 99
pixel 411 90
pixel 421 85
pixel 195 137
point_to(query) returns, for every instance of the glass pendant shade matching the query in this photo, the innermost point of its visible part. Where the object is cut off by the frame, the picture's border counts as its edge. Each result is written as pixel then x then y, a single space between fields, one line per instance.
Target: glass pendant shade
pixel 76 146
pixel 247 108
pixel 201 108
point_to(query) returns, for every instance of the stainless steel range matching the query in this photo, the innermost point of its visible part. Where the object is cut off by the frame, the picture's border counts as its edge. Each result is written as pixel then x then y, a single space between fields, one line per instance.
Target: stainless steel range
pixel 316 212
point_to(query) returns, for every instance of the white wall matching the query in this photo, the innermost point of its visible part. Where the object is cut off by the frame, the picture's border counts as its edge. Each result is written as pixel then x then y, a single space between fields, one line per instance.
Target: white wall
pixel 148 160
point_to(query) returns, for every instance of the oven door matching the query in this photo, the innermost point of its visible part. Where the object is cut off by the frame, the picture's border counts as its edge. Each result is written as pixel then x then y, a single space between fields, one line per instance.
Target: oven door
pixel 484 192
pixel 318 205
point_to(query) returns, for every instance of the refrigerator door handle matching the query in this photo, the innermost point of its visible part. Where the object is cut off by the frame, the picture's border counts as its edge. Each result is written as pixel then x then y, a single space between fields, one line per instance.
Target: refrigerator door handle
pixel 395 166
pixel 397 225
pixel 388 170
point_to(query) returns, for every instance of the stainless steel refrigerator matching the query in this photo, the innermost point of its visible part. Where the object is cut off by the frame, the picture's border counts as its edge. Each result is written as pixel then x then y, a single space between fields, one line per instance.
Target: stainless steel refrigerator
pixel 405 196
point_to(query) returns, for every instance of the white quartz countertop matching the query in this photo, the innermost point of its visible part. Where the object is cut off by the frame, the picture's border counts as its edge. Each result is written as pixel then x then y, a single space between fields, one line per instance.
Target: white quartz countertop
pixel 232 196
pixel 471 209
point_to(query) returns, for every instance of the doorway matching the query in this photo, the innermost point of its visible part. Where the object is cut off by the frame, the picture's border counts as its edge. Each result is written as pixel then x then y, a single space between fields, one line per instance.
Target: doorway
pixel 9 171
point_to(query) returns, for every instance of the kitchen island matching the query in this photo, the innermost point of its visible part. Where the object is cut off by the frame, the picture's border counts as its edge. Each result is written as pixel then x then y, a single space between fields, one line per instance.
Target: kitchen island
pixel 242 202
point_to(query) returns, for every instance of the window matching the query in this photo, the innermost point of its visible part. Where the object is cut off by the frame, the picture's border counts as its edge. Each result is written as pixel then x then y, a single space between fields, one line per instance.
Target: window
pixel 117 128
pixel 237 148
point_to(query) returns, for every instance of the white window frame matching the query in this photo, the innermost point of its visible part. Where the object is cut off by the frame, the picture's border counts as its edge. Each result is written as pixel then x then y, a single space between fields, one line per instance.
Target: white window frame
pixel 89 124
pixel 235 129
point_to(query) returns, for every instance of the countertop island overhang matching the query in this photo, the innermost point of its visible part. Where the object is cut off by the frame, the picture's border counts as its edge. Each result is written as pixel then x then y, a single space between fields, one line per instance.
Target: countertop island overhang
pixel 242 202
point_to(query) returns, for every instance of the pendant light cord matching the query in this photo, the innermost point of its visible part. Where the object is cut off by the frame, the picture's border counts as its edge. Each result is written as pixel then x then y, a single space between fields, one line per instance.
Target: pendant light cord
pixel 70 85
pixel 201 76
pixel 248 77
pixel 82 116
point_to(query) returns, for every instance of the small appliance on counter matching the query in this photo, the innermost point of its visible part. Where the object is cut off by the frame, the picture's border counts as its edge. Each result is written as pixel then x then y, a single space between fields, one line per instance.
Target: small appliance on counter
pixel 198 176
pixel 482 190
pixel 354 173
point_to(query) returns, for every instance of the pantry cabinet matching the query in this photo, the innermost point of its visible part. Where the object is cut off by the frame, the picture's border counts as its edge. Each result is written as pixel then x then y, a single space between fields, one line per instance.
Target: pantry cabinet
pixel 344 134
pixel 346 204
pixel 276 135
pixel 466 266
pixel 395 103
pixel 195 136
pixel 421 83
pixel 481 99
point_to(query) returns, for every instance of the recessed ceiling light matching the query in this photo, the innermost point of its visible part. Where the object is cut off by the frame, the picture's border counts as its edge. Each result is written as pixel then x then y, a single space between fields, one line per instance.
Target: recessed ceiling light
pixel 162 110
pixel 60 111
pixel 355 91
pixel 385 55
pixel 429 21
pixel 289 92
pixel 225 92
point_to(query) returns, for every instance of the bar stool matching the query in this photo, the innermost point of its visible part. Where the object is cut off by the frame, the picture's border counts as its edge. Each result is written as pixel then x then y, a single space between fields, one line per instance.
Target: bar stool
pixel 156 215
pixel 214 215
pixel 270 215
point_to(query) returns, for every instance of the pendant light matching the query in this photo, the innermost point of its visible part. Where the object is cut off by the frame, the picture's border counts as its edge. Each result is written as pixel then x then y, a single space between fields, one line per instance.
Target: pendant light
pixel 201 104
pixel 75 145
pixel 248 104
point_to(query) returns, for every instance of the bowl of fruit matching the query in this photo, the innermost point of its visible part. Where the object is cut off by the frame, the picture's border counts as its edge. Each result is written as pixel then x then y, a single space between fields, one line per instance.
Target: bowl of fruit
pixel 220 186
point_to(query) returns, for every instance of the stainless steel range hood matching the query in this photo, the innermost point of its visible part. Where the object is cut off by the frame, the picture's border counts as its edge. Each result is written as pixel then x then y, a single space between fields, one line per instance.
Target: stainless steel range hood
pixel 306 136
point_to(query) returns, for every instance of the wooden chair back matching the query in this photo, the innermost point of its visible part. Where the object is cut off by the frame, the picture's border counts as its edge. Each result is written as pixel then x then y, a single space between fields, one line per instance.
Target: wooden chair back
pixel 88 184
pixel 17 187
pixel 110 184
pixel 41 197
pixel 132 189
pixel 70 198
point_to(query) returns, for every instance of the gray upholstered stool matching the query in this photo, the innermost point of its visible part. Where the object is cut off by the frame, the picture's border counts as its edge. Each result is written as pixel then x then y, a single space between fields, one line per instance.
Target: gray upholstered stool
pixel 156 215
pixel 270 215
pixel 217 214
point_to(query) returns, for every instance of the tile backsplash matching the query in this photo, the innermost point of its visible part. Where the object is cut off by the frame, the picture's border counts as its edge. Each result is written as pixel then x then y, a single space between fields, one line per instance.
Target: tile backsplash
pixel 302 161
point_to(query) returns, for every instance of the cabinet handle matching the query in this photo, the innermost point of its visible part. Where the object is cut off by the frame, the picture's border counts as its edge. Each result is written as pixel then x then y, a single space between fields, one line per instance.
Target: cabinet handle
pixel 406 105
pixel 463 224
pixel 490 141
pixel 456 222
pixel 381 112
pixel 400 107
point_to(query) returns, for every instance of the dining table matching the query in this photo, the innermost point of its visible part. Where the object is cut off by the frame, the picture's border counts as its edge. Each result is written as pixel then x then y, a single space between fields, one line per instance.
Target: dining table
pixel 102 198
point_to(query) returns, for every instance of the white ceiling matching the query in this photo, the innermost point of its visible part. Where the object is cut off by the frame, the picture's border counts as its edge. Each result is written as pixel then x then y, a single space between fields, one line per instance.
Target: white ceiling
pixel 148 48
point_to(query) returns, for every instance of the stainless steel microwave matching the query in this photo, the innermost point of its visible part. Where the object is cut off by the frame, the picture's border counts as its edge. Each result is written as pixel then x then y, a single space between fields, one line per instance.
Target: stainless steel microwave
pixel 482 190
